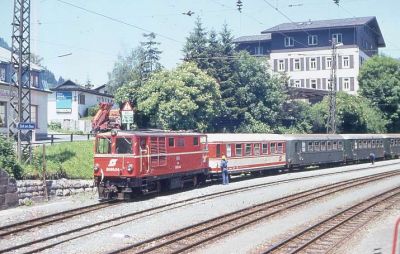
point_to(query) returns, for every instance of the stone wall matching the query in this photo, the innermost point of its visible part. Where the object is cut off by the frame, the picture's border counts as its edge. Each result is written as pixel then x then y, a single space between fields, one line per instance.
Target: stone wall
pixel 8 191
pixel 33 190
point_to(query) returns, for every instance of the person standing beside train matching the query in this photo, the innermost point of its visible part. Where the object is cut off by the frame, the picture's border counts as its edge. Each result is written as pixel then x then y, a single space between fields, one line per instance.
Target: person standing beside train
pixel 224 170
pixel 372 158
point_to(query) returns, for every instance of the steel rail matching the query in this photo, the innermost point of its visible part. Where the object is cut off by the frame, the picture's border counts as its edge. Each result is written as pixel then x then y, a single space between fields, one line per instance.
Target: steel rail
pixel 150 211
pixel 51 218
pixel 310 235
pixel 186 238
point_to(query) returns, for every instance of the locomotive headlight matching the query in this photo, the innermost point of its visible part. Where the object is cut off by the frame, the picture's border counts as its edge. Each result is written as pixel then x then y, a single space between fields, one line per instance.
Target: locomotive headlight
pixel 96 167
pixel 130 168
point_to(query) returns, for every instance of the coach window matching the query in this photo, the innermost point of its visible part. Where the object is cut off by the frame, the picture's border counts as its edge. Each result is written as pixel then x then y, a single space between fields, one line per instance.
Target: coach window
pixel 280 148
pixel 360 145
pixel 103 145
pixel 303 146
pixel 123 145
pixel 228 150
pixel 380 143
pixel 180 142
pixel 355 145
pixel 218 150
pixel 373 144
pixel 196 141
pixel 323 145
pixel 310 146
pixel 334 146
pixel 273 148
pixel 340 145
pixel 256 149
pixel 316 146
pixel 328 145
pixel 391 142
pixel 265 148
pixel 248 149
pixel 171 142
pixel 369 144
pixel 365 144
pixel 238 149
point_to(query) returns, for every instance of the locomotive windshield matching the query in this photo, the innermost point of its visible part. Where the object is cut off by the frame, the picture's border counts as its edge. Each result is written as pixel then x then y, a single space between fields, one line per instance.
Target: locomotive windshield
pixel 123 145
pixel 103 145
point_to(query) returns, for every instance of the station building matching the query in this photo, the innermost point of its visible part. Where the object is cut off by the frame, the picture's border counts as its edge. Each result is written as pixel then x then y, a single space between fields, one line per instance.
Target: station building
pixel 39 95
pixel 69 103
pixel 303 51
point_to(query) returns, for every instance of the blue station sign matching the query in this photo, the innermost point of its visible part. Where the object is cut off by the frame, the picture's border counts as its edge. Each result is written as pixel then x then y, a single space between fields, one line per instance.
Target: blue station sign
pixel 26 126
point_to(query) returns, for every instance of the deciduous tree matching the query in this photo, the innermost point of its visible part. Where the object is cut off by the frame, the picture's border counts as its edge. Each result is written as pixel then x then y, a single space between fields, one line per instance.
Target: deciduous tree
pixel 379 81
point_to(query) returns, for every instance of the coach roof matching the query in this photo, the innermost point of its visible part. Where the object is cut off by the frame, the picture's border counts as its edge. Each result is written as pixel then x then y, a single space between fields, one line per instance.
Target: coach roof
pixel 243 137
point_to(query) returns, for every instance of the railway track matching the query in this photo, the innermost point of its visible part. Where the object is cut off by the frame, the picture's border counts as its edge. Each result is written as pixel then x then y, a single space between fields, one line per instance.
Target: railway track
pixel 324 236
pixel 189 237
pixel 52 218
pixel 144 213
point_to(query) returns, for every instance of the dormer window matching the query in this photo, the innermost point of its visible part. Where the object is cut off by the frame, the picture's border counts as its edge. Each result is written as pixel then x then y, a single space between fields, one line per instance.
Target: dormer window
pixel 289 41
pixel 313 40
pixel 337 38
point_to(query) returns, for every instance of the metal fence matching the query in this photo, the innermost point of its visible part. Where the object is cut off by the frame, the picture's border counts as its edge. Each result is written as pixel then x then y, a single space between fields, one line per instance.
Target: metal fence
pixel 59 138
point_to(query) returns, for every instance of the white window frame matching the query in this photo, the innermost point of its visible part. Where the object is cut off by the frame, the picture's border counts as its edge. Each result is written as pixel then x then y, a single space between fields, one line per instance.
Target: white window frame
pixel 346 84
pixel 297 83
pixel 281 65
pixel 313 40
pixel 313 81
pixel 2 74
pixel 328 62
pixel 338 37
pixel 289 41
pixel 328 84
pixel 34 115
pixel 313 63
pixel 296 61
pixel 346 62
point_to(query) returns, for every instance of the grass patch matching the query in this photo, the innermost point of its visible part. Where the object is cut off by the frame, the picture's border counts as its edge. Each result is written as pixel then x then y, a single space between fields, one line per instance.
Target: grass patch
pixel 69 159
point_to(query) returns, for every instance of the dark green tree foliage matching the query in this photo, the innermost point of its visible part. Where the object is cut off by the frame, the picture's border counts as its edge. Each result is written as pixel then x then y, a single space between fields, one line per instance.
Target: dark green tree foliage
pixel 257 92
pixel 128 70
pixel 180 99
pixel 8 160
pixel 195 48
pixel 379 81
pixel 151 56
pixel 354 115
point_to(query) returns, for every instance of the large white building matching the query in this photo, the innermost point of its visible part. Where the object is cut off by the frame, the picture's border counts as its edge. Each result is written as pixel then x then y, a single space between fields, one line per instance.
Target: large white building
pixel 69 102
pixel 303 51
pixel 38 96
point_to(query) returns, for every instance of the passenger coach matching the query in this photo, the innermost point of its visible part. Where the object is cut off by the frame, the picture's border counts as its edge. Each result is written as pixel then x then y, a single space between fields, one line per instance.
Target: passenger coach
pixel 246 152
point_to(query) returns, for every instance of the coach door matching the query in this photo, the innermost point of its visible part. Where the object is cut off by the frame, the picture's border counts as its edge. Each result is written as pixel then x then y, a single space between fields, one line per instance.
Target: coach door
pixel 144 155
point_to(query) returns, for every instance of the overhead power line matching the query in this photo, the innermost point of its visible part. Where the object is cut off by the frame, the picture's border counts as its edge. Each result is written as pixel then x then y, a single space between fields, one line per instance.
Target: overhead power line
pixel 118 20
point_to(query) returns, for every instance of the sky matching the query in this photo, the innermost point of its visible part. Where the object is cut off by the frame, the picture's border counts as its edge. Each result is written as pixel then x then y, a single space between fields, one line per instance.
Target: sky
pixel 94 42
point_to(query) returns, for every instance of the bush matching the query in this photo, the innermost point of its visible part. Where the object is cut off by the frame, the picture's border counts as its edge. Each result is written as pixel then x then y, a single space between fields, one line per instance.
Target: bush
pixel 8 159
pixel 54 125
pixel 93 110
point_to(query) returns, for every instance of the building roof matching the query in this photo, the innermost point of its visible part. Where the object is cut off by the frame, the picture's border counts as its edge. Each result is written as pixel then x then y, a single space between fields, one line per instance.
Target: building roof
pixel 71 86
pixel 99 87
pixel 253 38
pixel 331 23
pixel 5 56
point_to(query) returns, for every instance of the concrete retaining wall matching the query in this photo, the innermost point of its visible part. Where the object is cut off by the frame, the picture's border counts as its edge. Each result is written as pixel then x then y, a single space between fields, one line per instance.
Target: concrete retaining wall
pixel 33 190
pixel 8 191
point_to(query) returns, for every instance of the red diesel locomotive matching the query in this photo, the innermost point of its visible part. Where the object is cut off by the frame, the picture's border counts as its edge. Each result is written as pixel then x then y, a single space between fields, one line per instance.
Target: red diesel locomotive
pixel 128 162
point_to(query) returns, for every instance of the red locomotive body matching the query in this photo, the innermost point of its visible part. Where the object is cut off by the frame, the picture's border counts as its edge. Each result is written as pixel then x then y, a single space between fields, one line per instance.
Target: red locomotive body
pixel 246 152
pixel 146 161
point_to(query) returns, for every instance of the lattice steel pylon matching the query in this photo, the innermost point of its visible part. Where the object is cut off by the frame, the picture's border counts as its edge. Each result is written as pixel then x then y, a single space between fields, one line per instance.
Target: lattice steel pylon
pixel 331 124
pixel 20 88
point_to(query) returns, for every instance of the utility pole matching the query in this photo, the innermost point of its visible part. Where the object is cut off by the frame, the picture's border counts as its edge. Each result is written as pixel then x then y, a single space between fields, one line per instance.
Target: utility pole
pixel 20 88
pixel 331 124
